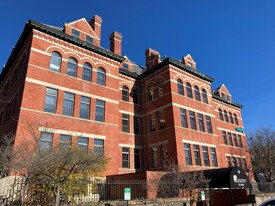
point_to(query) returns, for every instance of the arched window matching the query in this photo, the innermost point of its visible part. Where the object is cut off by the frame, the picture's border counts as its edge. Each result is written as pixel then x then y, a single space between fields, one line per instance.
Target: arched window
pixel 87 72
pixel 72 67
pixel 204 96
pixel 220 114
pixel 55 63
pixel 197 93
pixel 159 92
pixel 135 96
pixel 101 75
pixel 180 87
pixel 225 116
pixel 189 90
pixel 150 93
pixel 231 118
pixel 125 93
pixel 236 119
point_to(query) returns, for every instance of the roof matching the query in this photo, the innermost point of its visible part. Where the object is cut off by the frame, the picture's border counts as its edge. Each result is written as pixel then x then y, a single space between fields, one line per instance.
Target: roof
pixel 226 101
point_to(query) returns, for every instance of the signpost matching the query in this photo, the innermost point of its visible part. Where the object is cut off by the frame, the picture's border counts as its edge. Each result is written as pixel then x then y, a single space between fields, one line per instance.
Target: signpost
pixel 202 196
pixel 127 194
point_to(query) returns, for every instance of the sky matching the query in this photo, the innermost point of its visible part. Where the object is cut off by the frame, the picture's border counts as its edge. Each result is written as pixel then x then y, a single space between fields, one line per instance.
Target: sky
pixel 231 41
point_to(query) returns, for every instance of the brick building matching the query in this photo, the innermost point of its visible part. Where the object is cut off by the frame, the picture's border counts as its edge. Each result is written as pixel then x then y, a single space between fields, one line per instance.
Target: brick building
pixel 143 118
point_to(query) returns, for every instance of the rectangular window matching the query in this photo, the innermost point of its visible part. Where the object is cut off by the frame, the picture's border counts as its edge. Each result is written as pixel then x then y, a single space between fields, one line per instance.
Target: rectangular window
pixel 85 107
pixel 224 137
pixel 50 100
pixel 125 157
pixel 240 141
pixel 125 66
pixel 152 122
pixel 163 154
pixel 229 138
pixel 205 156
pixel 65 141
pixel 99 146
pixel 213 156
pixel 89 39
pixel 100 111
pixel 46 140
pixel 68 104
pixel 197 154
pixel 75 33
pixel 239 163
pixel 161 119
pixel 192 120
pixel 125 123
pixel 136 125
pixel 137 159
pixel 228 160
pixel 201 122
pixel 234 160
pixel 244 164
pixel 208 124
pixel 82 143
pixel 187 152
pixel 183 118
pixel 154 157
pixel 235 140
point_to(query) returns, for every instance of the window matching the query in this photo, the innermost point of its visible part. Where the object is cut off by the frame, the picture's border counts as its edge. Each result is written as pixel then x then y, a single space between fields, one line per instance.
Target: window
pixel 65 141
pixel 135 97
pixel 235 140
pixel 125 93
pixel 204 96
pixel 137 159
pixel 125 157
pixel 154 157
pixel 224 137
pixel 234 160
pixel 197 155
pixel 205 156
pixel 189 90
pixel 192 120
pixel 125 123
pixel 152 122
pixel 180 87
pixel 87 72
pixel 151 93
pixel 161 119
pixel 163 154
pixel 136 125
pixel 239 163
pixel 101 77
pixel 82 143
pixel 159 92
pixel 46 140
pixel 213 156
pixel 99 146
pixel 68 104
pixel 220 114
pixel 197 93
pixel 84 107
pixel 229 138
pixel 225 116
pixel 125 66
pixel 75 33
pixel 240 141
pixel 231 118
pixel 89 39
pixel 228 160
pixel 183 118
pixel 50 100
pixel 187 152
pixel 55 63
pixel 244 164
pixel 236 119
pixel 208 124
pixel 201 122
pixel 71 67
pixel 100 111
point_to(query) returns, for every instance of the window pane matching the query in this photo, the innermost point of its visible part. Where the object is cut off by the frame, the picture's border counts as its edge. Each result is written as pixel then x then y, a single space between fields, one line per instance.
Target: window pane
pixel 65 141
pixel 205 156
pixel 192 120
pixel 183 117
pixel 136 125
pixel 209 124
pixel 71 67
pixel 189 90
pixel 75 33
pixel 55 62
pixel 180 87
pixel 125 157
pixel 225 116
pixel 236 119
pixel 125 123
pixel 125 93
pixel 89 39
pixel 82 143
pixel 137 159
pixel 68 104
pixel 213 157
pixel 204 96
pixel 224 137
pixel 100 110
pixel 201 122
pixel 197 93
pixel 84 108
pixel 46 139
pixel 87 72
pixel 154 157
pixel 220 114
pixel 187 153
pixel 159 92
pixel 197 155
pixel 100 77
pixel 50 100
pixel 98 146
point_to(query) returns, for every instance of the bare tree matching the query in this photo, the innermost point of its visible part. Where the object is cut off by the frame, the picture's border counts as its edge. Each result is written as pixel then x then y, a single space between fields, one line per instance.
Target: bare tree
pixel 262 149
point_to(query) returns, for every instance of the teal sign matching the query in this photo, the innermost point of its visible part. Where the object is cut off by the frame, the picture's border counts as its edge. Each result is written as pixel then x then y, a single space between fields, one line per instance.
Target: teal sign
pixel 240 129
pixel 127 193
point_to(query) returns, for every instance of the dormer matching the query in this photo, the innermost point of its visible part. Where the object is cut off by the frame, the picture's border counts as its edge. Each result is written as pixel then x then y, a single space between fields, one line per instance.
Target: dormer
pixel 152 58
pixel 127 65
pixel 89 32
pixel 189 61
pixel 223 92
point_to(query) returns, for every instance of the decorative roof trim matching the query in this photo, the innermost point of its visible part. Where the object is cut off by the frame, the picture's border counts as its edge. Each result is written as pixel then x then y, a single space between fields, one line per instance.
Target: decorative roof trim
pixel 226 101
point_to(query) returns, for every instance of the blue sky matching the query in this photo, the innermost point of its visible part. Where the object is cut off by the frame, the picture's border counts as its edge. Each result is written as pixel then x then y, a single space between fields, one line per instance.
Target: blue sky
pixel 232 41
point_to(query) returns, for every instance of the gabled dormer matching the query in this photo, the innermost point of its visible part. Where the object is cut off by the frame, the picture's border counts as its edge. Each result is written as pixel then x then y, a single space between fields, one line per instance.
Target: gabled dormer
pixel 223 92
pixel 189 61
pixel 127 64
pixel 89 32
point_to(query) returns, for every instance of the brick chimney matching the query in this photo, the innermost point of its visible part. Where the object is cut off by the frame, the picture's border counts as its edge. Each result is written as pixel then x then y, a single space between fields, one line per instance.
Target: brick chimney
pixel 115 43
pixel 95 23
pixel 152 58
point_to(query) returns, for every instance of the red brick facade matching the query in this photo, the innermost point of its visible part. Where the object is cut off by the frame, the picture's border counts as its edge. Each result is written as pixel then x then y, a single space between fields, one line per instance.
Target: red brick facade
pixel 144 118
